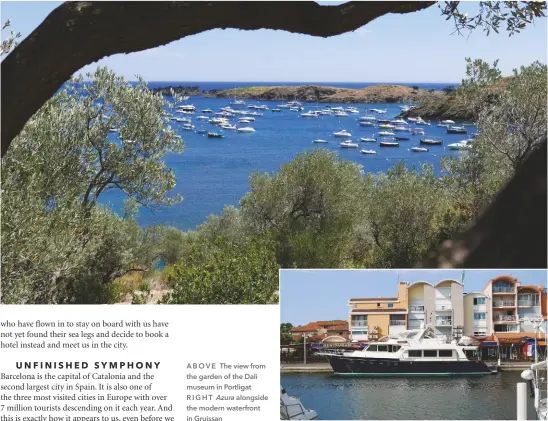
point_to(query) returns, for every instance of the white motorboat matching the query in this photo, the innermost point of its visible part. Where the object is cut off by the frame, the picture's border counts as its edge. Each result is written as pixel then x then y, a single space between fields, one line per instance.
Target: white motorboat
pixel 188 127
pixel 228 127
pixel 418 131
pixel 368 151
pixel 401 129
pixel 457 130
pixel 348 144
pixel 187 107
pixel 462 145
pixel 421 122
pixel 184 112
pixel 291 408
pixel 432 140
pixel 447 122
pixel 419 149
pixel 238 102
pixel 309 114
pixel 113 130
pixel 202 117
pixel 413 119
pixel 368 139
pixel 296 109
pixel 337 109
pixel 398 122
pixel 244 120
pixel 367 118
pixel 353 110
pixel 342 133
pixel 326 112
pixel 218 120
pixel 367 123
pixel 340 114
pixel 207 110
pixel 320 141
pixel 386 126
pixel 386 134
pixel 245 129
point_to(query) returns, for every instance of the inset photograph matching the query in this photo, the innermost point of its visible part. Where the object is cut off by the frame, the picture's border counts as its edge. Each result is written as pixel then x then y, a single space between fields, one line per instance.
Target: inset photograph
pixel 442 344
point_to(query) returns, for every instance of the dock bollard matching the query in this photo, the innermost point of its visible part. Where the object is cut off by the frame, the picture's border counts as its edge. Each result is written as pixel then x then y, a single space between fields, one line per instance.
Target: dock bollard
pixel 521 391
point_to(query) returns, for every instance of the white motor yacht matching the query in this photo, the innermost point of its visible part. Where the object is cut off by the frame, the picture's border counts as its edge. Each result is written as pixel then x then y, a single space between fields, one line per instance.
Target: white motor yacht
pixel 398 121
pixel 309 114
pixel 320 141
pixel 386 126
pixel 342 133
pixel 291 408
pixel 419 149
pixel 349 144
pixel 386 134
pixel 245 130
pixel 462 145
pixel 367 139
pixel 447 122
pixel 368 151
pixel 367 123
pixel 367 118
pixel 340 114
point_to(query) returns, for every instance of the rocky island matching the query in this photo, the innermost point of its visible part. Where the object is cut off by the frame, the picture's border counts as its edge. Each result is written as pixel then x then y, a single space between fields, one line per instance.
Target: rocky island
pixel 431 104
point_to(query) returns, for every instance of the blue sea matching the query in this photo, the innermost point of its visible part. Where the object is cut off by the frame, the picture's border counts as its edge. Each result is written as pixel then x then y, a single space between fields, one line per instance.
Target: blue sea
pixel 213 173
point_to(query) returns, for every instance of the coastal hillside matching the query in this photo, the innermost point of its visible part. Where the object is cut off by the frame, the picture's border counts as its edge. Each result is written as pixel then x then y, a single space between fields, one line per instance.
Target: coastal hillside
pixel 448 106
pixel 316 93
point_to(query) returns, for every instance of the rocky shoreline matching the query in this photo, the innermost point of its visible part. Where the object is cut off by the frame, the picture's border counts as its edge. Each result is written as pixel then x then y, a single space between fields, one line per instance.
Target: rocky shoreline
pixel 432 104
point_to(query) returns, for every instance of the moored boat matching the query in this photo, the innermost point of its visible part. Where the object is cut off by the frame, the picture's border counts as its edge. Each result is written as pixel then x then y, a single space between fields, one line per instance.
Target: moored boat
pixel 419 149
pixel 409 353
pixel 368 139
pixel 389 144
pixel 348 144
pixel 245 130
pixel 386 134
pixel 214 134
pixel 431 141
pixel 402 137
pixel 457 130
pixel 291 408
pixel 368 151
pixel 342 133
pixel 320 141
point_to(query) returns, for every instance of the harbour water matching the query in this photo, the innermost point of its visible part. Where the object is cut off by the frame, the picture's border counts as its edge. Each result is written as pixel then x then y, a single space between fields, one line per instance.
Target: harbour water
pixel 490 397
pixel 212 173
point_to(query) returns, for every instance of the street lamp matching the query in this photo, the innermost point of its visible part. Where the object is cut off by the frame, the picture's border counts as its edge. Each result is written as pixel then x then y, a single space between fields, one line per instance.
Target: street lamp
pixel 304 337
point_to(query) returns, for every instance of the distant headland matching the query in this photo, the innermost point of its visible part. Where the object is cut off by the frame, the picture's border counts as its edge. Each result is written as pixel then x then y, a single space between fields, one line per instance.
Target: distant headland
pixel 432 104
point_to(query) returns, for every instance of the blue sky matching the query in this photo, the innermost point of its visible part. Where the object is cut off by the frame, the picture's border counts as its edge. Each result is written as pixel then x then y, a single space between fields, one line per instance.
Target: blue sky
pixel 416 47
pixel 310 295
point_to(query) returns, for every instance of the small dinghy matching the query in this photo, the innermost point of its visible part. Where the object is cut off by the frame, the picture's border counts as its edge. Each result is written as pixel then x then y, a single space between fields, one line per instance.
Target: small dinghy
pixel 386 134
pixel 368 152
pixel 419 149
pixel 319 141
pixel 402 137
pixel 245 130
pixel 368 139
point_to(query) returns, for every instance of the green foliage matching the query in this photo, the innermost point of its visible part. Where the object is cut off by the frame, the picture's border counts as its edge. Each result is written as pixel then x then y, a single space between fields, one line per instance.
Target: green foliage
pixel 308 208
pixel 223 273
pixel 58 244
pixel 9 42
pixel 404 209
pixel 493 14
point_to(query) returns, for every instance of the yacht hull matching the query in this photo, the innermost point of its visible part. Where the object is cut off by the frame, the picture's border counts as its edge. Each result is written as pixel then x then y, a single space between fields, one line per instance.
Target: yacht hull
pixel 390 367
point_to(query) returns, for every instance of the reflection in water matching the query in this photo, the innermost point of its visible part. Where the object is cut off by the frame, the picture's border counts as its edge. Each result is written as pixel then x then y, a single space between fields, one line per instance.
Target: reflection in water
pixel 363 398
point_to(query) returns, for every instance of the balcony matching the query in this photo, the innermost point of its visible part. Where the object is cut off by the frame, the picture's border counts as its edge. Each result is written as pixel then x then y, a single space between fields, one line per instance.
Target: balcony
pixel 397 322
pixel 527 303
pixel 359 323
pixel 444 307
pixel 501 319
pixel 503 290
pixel 416 308
pixel 443 322
pixel 504 304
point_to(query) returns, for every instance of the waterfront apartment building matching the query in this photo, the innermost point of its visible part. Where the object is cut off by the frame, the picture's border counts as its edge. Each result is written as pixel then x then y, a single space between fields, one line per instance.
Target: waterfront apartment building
pixel 439 306
pixel 373 318
pixel 513 305
pixel 477 315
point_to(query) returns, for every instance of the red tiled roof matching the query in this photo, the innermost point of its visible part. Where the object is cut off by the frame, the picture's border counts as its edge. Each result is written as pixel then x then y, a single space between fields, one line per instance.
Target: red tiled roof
pixel 374 299
pixel 379 310
pixel 328 325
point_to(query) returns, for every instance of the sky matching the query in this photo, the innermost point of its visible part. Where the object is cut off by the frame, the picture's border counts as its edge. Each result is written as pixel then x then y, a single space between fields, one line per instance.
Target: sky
pixel 311 295
pixel 415 47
